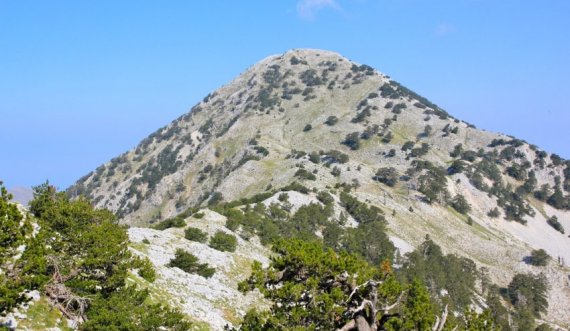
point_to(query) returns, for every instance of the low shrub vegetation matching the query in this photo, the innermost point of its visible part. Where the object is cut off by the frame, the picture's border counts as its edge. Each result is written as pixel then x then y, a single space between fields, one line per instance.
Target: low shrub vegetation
pixel 195 234
pixel 223 242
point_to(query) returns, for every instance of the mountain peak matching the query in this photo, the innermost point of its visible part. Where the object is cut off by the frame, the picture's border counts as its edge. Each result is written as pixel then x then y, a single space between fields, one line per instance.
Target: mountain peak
pixel 312 120
pixel 308 54
pixel 306 100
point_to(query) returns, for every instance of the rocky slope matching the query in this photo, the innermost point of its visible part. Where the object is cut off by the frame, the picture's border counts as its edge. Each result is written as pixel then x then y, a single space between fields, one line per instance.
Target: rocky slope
pixel 211 302
pixel 314 113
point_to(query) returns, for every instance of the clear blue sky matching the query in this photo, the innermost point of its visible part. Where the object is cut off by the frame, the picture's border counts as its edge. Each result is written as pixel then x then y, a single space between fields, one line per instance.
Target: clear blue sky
pixel 83 81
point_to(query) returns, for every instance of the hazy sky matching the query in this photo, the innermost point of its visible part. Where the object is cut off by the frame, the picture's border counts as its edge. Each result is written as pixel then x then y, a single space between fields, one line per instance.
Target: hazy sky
pixel 83 81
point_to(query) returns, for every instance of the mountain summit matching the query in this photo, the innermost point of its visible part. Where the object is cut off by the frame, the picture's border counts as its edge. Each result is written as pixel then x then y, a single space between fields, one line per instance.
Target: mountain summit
pixel 315 118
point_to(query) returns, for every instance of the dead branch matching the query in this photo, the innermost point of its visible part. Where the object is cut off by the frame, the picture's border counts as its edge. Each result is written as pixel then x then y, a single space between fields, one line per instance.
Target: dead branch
pixel 363 306
pixel 71 305
pixel 387 309
pixel 440 323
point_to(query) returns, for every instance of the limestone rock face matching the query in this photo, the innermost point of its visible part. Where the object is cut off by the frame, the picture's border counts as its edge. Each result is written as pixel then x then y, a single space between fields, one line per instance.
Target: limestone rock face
pixel 214 301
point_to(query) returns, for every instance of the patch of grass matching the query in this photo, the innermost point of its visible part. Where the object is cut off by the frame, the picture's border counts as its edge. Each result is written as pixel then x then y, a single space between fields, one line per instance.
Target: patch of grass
pixel 231 315
pixel 400 135
pixel 241 268
pixel 41 316
pixel 457 214
pixel 477 228
pixel 400 189
pixel 141 247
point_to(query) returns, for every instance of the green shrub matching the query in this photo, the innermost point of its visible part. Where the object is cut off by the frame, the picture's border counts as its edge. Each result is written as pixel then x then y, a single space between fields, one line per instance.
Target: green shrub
pixel 295 61
pixel 457 150
pixel 283 197
pixel 215 198
pixel 232 223
pixel 408 145
pixel 310 77
pixel 361 116
pixel 433 182
pixel 428 129
pixel 195 234
pixel 539 258
pixel 335 171
pixel 331 120
pixel 223 242
pixel 83 252
pixel 325 198
pixel 145 269
pixel 13 231
pixel 457 275
pixel 266 99
pixel 517 172
pixel 460 204
pixel 334 156
pixel 420 151
pixel 553 222
pixel 189 263
pixel 175 222
pixel 529 292
pixel 315 157
pixel 470 156
pixel 387 175
pixel 456 167
pixel 307 128
pixel 494 213
pixel 304 174
pixel 398 108
pixel 556 159
pixel 387 137
pixel 352 140
pixel 261 150
pixel 508 153
pixel 360 211
pixel 295 186
pixel 131 309
pixel 557 199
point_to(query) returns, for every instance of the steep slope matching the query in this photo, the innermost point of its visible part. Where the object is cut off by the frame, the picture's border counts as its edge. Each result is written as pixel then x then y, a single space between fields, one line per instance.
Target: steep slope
pixel 313 113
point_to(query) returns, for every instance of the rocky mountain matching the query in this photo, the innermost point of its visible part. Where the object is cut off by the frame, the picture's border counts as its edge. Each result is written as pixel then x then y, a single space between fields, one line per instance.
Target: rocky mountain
pixel 317 119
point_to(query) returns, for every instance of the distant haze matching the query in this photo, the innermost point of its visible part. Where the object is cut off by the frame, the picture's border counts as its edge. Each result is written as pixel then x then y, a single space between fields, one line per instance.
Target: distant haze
pixel 21 194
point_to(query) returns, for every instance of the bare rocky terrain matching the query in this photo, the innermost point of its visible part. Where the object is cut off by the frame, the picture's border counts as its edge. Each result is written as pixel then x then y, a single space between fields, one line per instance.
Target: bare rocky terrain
pixel 212 301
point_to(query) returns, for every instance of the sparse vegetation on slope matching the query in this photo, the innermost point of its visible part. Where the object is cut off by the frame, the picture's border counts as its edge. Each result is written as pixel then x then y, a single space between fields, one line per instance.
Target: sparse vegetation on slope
pixel 325 124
